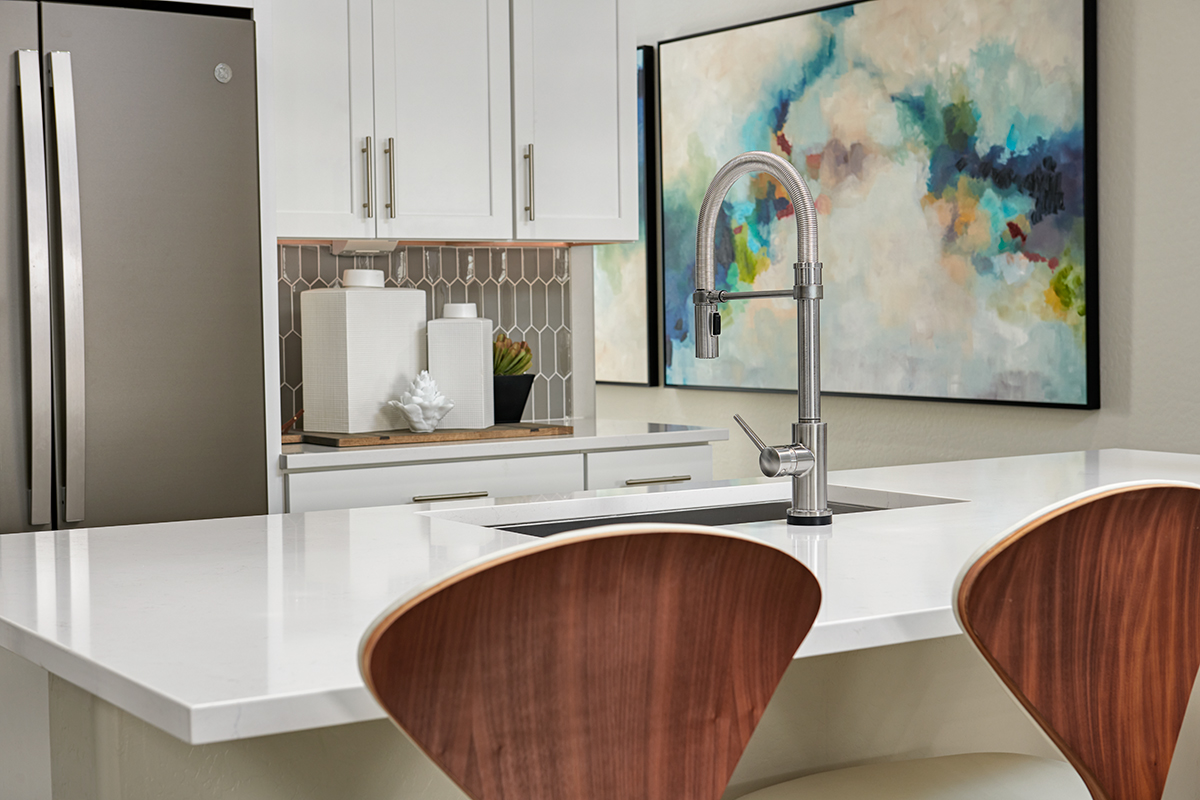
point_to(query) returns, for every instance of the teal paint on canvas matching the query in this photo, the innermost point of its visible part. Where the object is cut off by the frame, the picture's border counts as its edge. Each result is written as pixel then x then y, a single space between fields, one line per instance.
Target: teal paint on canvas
pixel 621 285
pixel 943 142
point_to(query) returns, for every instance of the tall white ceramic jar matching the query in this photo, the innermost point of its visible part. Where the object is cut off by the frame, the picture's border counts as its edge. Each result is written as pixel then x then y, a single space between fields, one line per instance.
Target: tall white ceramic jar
pixel 460 360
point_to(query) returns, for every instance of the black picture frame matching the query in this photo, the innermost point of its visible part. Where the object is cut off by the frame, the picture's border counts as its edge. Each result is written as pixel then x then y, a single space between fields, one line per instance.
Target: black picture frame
pixel 648 242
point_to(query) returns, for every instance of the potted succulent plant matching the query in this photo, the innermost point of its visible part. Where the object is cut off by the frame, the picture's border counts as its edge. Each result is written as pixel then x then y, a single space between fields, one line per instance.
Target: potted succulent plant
pixel 510 384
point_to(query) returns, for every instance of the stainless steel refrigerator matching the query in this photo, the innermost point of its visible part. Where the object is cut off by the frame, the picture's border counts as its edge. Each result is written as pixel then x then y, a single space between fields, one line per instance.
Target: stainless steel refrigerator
pixel 131 369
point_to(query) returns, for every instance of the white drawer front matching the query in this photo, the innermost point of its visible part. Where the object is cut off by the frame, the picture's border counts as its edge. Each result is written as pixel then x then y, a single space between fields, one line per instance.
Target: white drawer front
pixel 383 486
pixel 620 468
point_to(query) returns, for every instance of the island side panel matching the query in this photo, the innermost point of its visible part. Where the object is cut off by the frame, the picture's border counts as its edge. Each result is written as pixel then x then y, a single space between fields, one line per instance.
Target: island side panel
pixel 927 698
pixel 104 753
pixel 24 729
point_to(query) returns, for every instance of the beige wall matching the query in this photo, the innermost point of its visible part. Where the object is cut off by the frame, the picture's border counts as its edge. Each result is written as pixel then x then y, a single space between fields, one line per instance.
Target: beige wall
pixel 1149 66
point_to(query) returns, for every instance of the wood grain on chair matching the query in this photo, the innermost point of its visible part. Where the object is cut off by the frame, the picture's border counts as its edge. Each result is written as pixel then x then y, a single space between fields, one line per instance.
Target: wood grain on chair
pixel 632 663
pixel 1091 616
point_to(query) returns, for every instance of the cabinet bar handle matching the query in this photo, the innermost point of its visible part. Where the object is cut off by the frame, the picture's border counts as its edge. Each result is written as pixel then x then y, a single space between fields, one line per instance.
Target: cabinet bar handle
pixel 529 159
pixel 70 229
pixel 38 226
pixel 370 204
pixel 434 498
pixel 648 481
pixel 390 151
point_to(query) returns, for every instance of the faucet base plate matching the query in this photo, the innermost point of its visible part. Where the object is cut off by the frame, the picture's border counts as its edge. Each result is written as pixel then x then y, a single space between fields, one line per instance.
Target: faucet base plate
pixel 821 519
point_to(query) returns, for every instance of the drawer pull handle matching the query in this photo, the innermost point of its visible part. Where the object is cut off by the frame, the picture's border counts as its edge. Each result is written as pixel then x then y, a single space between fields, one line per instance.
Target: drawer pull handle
pixel 434 498
pixel 648 481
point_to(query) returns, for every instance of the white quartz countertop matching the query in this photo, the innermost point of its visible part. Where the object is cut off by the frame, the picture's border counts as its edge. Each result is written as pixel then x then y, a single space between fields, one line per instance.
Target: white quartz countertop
pixel 590 435
pixel 224 629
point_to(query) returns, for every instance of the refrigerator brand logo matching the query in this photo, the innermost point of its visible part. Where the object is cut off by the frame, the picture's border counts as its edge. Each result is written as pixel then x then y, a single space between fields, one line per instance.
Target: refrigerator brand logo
pixel 223 72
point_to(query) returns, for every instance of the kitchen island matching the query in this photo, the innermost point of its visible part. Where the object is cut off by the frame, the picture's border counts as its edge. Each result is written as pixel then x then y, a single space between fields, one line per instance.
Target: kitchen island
pixel 224 631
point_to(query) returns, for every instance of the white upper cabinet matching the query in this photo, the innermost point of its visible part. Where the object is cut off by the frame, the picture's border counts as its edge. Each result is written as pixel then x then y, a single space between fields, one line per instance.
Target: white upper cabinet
pixel 439 81
pixel 442 95
pixel 324 113
pixel 354 76
pixel 575 102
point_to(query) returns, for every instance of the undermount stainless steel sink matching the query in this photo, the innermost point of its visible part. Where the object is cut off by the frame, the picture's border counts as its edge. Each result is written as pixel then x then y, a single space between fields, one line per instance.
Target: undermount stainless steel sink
pixel 717 503
pixel 719 515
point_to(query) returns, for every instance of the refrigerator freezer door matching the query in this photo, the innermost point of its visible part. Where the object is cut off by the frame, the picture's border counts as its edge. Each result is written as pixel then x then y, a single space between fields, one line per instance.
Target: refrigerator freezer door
pixel 24 379
pixel 171 272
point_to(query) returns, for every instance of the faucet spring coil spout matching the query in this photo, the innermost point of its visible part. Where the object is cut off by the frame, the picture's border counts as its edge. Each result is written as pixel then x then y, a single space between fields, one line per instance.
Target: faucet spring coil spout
pixel 805 459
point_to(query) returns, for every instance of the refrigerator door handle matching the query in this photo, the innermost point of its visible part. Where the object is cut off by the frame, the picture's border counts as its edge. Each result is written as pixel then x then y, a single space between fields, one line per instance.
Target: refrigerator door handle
pixel 29 79
pixel 63 88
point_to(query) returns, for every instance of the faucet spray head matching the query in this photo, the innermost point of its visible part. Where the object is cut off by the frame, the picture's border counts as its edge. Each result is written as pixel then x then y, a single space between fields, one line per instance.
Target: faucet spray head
pixel 708 328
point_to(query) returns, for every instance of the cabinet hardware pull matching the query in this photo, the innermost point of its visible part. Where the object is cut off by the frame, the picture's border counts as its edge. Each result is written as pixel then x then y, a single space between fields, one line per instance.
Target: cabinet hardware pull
pixel 648 481
pixel 38 247
pixel 70 231
pixel 529 159
pixel 390 150
pixel 434 498
pixel 370 204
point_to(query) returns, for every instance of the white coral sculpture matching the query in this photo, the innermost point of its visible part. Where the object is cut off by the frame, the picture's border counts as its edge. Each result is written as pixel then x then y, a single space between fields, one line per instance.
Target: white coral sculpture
pixel 423 405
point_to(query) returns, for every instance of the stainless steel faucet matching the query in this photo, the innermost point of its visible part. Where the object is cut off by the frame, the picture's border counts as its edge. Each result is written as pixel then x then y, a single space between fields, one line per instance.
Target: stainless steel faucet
pixel 804 458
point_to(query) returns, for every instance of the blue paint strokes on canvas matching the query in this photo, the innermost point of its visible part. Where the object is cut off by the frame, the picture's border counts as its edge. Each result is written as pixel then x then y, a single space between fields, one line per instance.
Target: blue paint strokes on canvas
pixel 781 113
pixel 813 69
pixel 838 15
pixel 1014 138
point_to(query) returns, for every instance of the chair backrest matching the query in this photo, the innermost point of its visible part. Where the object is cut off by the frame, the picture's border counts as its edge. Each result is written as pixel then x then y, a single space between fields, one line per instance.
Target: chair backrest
pixel 1090 614
pixel 631 661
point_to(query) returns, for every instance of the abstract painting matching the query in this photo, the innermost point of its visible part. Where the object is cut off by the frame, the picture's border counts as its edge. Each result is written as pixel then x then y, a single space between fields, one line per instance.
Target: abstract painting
pixel 625 274
pixel 949 148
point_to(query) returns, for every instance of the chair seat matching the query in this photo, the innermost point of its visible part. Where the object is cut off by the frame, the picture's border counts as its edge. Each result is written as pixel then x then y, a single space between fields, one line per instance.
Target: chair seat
pixel 972 776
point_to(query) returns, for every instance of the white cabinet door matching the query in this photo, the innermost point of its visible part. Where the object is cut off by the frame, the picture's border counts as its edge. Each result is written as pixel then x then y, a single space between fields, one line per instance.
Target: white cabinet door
pixel 442 94
pixel 324 113
pixel 382 486
pixel 575 103
pixel 617 469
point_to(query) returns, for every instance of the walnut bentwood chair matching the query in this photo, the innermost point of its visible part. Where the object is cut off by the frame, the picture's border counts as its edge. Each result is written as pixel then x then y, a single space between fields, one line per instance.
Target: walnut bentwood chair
pixel 1089 613
pixel 630 662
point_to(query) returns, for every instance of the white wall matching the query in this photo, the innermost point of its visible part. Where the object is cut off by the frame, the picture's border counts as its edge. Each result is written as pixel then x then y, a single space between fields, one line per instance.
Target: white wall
pixel 1148 68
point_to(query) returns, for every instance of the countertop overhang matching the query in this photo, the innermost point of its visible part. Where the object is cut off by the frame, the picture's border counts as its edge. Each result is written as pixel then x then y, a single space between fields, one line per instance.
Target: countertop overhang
pixel 224 629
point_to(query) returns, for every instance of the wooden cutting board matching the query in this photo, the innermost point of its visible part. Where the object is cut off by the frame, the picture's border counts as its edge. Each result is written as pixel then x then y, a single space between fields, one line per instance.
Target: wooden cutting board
pixel 516 430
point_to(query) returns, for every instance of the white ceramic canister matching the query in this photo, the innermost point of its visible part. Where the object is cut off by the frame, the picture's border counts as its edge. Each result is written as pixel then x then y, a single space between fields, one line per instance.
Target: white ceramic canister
pixel 361 346
pixel 460 360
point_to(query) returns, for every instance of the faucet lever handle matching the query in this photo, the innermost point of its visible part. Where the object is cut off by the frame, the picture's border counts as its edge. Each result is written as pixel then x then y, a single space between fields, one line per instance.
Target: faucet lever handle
pixel 788 459
pixel 749 432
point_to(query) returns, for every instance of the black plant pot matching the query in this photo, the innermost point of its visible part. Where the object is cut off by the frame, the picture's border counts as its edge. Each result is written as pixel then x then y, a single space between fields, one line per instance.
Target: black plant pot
pixel 511 393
